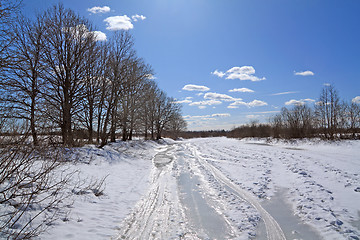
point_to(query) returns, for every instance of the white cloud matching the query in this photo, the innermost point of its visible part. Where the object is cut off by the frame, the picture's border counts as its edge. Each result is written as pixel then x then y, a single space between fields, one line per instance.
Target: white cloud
pixel 81 31
pixel 304 73
pixel 196 117
pixel 96 10
pixel 221 115
pixel 219 96
pixel 299 102
pixel 192 87
pixel 119 23
pixel 232 107
pixel 188 98
pixel 282 93
pixel 356 100
pixel 150 76
pixel 251 116
pixel 202 107
pixel 254 103
pixel 136 17
pixel 205 103
pixel 183 101
pixel 99 36
pixel 218 73
pixel 327 84
pixel 257 103
pixel 241 90
pixel 241 73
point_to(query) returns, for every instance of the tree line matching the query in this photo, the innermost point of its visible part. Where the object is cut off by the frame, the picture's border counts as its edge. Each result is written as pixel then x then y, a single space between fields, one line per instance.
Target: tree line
pixel 329 118
pixel 57 78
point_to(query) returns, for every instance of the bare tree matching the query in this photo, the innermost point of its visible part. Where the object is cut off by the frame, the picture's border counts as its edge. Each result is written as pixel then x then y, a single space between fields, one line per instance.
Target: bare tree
pixel 94 80
pixel 23 83
pixel 67 38
pixel 176 125
pixel 120 51
pixel 354 118
pixel 31 194
pixel 327 111
pixel 8 12
pixel 133 96
pixel 165 108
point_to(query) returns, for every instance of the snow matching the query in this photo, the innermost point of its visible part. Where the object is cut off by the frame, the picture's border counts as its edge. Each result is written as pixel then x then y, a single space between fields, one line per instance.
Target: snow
pixel 321 178
pixel 126 166
pixel 166 190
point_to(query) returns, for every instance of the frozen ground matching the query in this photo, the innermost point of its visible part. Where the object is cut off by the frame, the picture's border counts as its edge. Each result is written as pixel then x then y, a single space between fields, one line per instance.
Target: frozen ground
pixel 218 188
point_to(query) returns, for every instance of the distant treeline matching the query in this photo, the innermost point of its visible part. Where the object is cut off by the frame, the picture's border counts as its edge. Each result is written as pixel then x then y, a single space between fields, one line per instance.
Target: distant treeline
pixel 329 118
pixel 57 77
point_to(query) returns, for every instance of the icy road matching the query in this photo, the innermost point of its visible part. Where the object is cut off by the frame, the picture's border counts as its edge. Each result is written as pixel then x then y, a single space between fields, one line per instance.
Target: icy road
pixel 220 188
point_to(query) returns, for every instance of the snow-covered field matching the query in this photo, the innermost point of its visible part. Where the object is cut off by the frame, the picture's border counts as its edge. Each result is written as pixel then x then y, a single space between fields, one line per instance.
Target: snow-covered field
pixel 218 188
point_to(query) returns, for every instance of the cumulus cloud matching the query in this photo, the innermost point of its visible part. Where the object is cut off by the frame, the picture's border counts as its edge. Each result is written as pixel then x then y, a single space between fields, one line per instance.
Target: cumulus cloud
pixel 118 23
pixel 241 90
pixel 304 73
pixel 356 100
pixel 192 87
pixel 254 103
pixel 81 31
pixel 241 73
pixel 96 10
pixel 99 36
pixel 219 96
pixel 218 73
pixel 137 17
pixel 282 93
pixel 299 102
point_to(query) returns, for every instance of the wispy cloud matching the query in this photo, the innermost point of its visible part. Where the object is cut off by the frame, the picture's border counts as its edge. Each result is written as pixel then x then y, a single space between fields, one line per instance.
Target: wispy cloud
pixel 221 115
pixel 254 103
pixel 118 23
pixel 283 93
pixel 356 100
pixel 96 10
pixel 304 73
pixel 137 17
pixel 252 116
pixel 219 96
pixel 299 102
pixel 192 87
pixel 241 90
pixel 241 73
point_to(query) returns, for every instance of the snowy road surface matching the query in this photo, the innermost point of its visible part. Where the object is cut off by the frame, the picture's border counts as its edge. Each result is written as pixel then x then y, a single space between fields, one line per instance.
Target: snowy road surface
pixel 218 188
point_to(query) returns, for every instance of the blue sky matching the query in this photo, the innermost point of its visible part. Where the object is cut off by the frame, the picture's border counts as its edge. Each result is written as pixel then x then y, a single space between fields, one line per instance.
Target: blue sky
pixel 242 59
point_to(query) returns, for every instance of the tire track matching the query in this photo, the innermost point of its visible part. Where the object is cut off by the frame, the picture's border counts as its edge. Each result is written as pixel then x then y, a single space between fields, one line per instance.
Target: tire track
pixel 273 230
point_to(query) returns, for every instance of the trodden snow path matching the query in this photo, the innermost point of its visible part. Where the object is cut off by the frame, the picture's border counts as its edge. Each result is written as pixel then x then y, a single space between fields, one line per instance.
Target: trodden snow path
pixel 180 203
